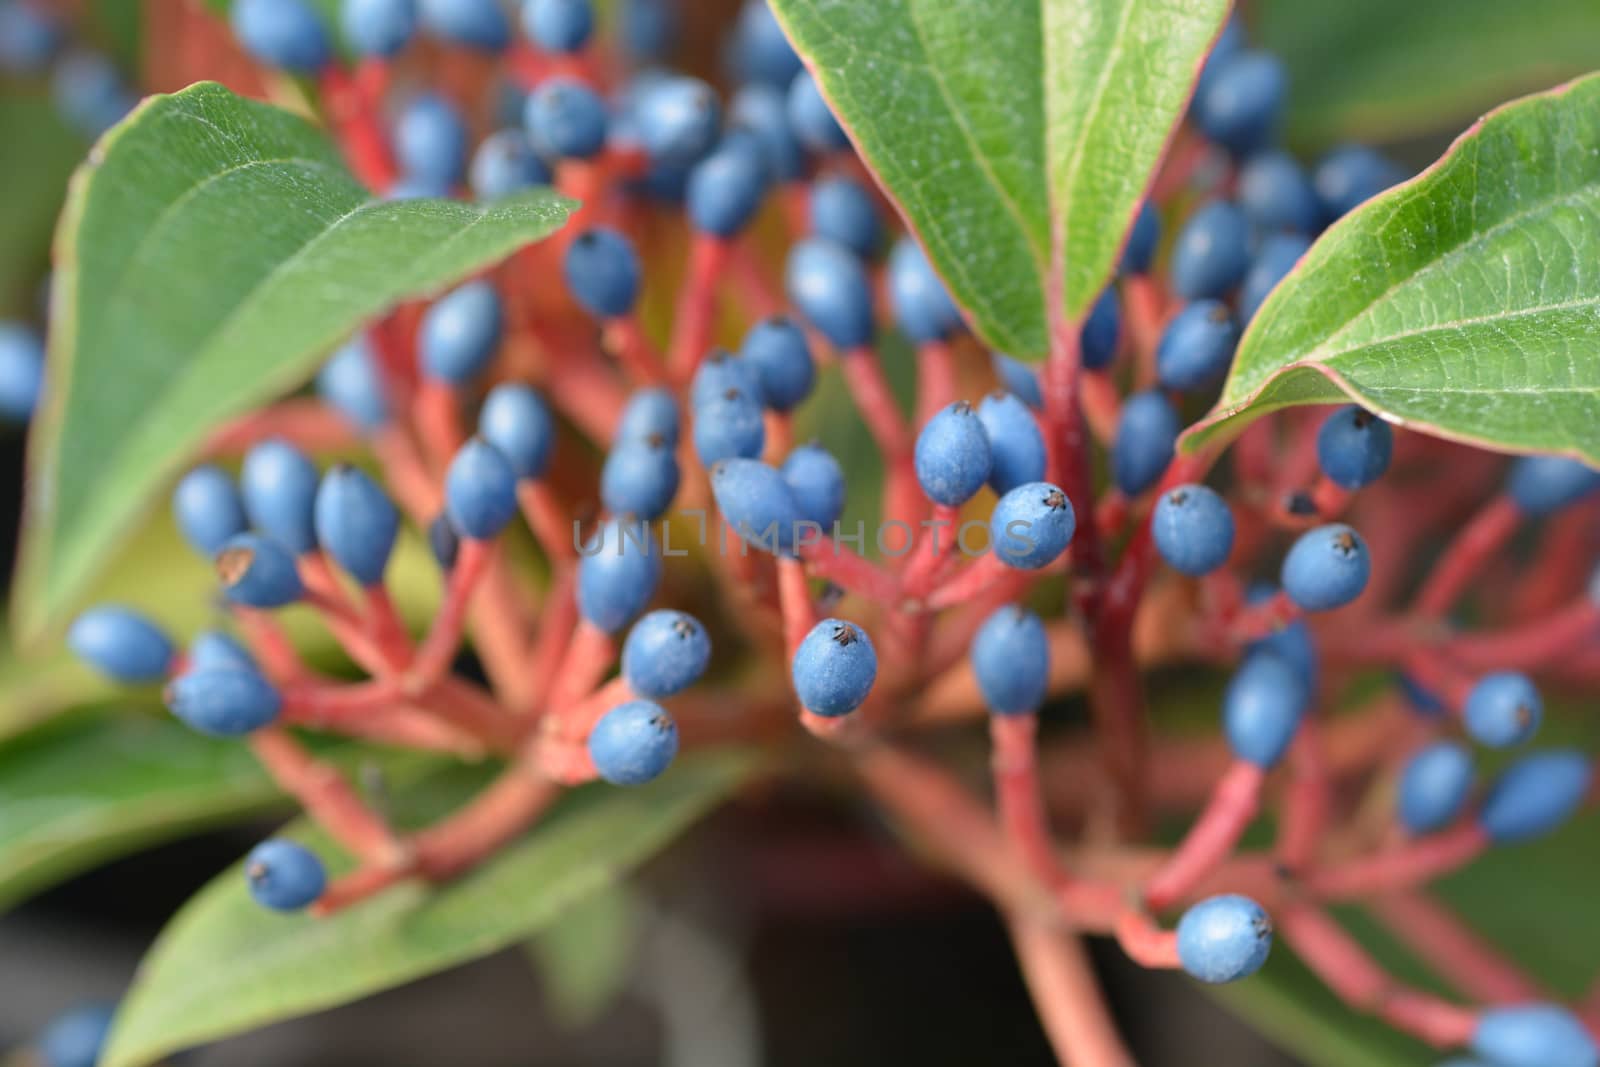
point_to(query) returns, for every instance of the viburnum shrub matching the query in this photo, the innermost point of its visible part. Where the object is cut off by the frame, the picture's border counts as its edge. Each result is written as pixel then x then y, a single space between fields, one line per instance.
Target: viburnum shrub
pixel 1180 399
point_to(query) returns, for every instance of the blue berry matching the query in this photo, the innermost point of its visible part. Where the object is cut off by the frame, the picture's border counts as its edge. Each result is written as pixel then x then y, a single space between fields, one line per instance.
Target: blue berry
pixel 378 27
pixel 1292 643
pixel 21 371
pixel 1031 526
pixel 834 668
pixel 1354 447
pixel 214 650
pixel 1147 435
pixel 776 348
pixel 1211 252
pixel 639 478
pixel 504 164
pixel 1101 330
pixel 516 421
pixel 817 481
pixel 75 1038
pixel 649 413
pixel 1541 485
pixel 282 33
pixel 1192 529
pixel 1503 709
pixel 565 119
pixel 633 743
pixel 842 210
pixel 477 24
pixel 720 371
pixel 1197 346
pixel 1018 379
pixel 726 188
pixel 460 333
pixel 922 307
pixel 480 491
pixel 89 92
pixel 558 25
pixel 1011 659
pixel 284 875
pixel 1262 708
pixel 356 523
pixel 1143 239
pixel 1273 261
pixel 1434 786
pixel 1230 42
pixel 1223 939
pixel 411 187
pixel 602 272
pixel 258 572
pixel 279 484
pixel 28 38
pixel 1421 699
pixel 646 28
pixel 223 701
pixel 677 120
pixel 430 140
pixel 1534 1035
pixel 1276 194
pixel 1326 568
pixel 729 426
pixel 443 541
pixel 762 52
pixel 617 574
pixel 208 509
pixel 1535 795
pixel 666 652
pixel 952 455
pixel 1242 101
pixel 1350 175
pixel 757 502
pixel 829 287
pixel 1016 447
pixel 810 117
pixel 352 384
pixel 121 644
pixel 760 110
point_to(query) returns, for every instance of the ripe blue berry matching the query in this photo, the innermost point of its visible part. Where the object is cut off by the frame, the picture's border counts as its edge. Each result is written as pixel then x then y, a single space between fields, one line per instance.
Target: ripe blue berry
pixel 618 573
pixel 1016 447
pixel 75 1038
pixel 1242 101
pixel 1143 239
pixel 443 541
pixel 810 117
pixel 676 119
pixel 565 119
pixel 1192 529
pixel 350 383
pixel 284 875
pixel 1350 175
pixel 29 38
pixel 1541 485
pixel 922 307
pixel 757 502
pixel 121 644
pixel 1223 939
pixel 480 491
pixel 1101 330
pixel 666 652
pixel 356 523
pixel 1211 252
pixel 842 210
pixel 282 33
pixel 1031 526
pixel 725 189
pixel 1018 379
pixel 1262 708
pixel 224 701
pixel 1327 568
pixel 1147 434
pixel 505 164
pixel 646 28
pixel 1273 261
pixel 1230 42
pixel 478 24
pixel 633 743
pixel 602 272
pixel 1197 346
pixel 1276 194
pixel 89 92
pixel 1534 1035
pixel 1292 643
pixel 516 421
pixel 761 50
pixel 829 287
pixel 1503 709
pixel 952 455
pixel 258 572
pixel 1434 786
pixel 460 333
pixel 430 140
pixel 1011 659
pixel 776 348
pixel 21 371
pixel 817 481
pixel 1535 795
pixel 760 111
pixel 728 426
pixel 834 668
pixel 558 25
pixel 215 650
pixel 279 484
pixel 378 27
pixel 208 509
pixel 649 413
pixel 1354 447
pixel 639 478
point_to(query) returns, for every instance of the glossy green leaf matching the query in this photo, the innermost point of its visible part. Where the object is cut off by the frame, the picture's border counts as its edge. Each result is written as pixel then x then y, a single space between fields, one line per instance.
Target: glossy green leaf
pixel 41 151
pixel 225 965
pixel 1464 303
pixel 211 251
pixel 1017 136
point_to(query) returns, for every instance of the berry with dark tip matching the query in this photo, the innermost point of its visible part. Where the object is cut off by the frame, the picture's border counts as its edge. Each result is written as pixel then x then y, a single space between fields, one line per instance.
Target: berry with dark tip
pixel 834 668
pixel 480 491
pixel 1350 175
pixel 952 455
pixel 517 422
pixel 730 425
pixel 842 210
pixel 1434 786
pixel 777 349
pixel 1016 447
pixel 223 701
pixel 829 287
pixel 208 509
pixel 1101 331
pixel 477 24
pixel 922 306
pixel 1147 435
pixel 284 875
pixel 639 478
pixel 121 644
pixel 811 118
pixel 504 164
pixel 649 413
pixel 76 1038
pixel 1541 485
pixel 1011 659
pixel 1242 100
pixel 726 188
pixel 258 572
pixel 356 523
pixel 1262 708
pixel 1018 379
pixel 617 574
pixel 1326 568
pixel 817 482
pixel 1354 447
pixel 1193 529
pixel 1143 239
pixel 558 25
pixel 1535 795
pixel 1197 346
pixel 1031 526
pixel 757 502
pixel 461 332
pixel 282 33
pixel 761 50
pixel 720 371
pixel 1276 194
pixel 215 650
pixel 1503 709
pixel 380 28
pixel 602 272
pixel 666 652
pixel 565 119
pixel 1223 939
pixel 1273 261
pixel 21 371
pixel 1211 252
pixel 1534 1035
pixel 430 140
pixel 633 743
pixel 352 384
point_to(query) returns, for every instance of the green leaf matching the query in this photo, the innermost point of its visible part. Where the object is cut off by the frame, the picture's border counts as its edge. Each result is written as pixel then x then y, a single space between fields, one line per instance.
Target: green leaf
pixel 225 965
pixel 211 251
pixel 1433 66
pixel 1018 137
pixel 41 150
pixel 584 960
pixel 1464 303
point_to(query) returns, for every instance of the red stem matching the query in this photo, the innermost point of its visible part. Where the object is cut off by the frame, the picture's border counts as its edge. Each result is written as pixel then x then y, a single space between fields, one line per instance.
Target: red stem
pixel 439 647
pixel 326 796
pixel 1402 867
pixel 695 321
pixel 1233 806
pixel 1464 559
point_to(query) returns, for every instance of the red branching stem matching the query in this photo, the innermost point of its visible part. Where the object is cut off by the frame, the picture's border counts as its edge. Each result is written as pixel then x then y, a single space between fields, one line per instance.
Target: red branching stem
pixel 1530 645
pixel 1102 404
pixel 438 648
pixel 406 474
pixel 360 884
pixel 1561 562
pixel 833 561
pixel 308 424
pixel 1015 766
pixel 326 796
pixel 1401 867
pixel 1067 996
pixel 1146 943
pixel 638 355
pixel 271 646
pixel 972 580
pixel 1145 304
pixel 556 623
pixel 934 546
pixel 1258 620
pixel 358 129
pixel 495 816
pixel 1329 498
pixel 843 730
pixel 759 294
pixel 586 389
pixel 694 324
pixel 1306 801
pixel 1440 677
pixel 1233 805
pixel 1466 555
pixel 385 627
pixel 1453 950
pixel 501 628
pixel 355 714
pixel 937 386
pixel 473 710
pixel 438 419
pixel 869 388
pixel 1068 446
pixel 588 657
pixel 549 520
pixel 794 600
